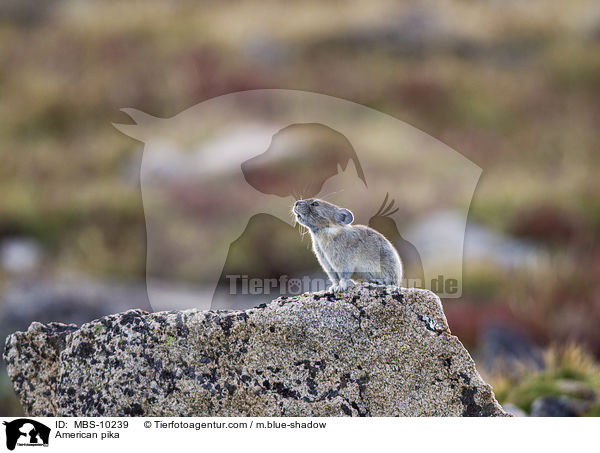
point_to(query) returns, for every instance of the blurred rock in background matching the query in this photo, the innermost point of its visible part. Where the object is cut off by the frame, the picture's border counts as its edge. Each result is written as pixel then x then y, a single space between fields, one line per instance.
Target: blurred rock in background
pixel 19 255
pixel 507 350
pixel 68 301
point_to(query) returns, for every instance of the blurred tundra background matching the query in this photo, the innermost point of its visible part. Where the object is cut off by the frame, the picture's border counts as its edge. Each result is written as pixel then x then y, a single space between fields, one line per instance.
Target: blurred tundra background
pixel 512 85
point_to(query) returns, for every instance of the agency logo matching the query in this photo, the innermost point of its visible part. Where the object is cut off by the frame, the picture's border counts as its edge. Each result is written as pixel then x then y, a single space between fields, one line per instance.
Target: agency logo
pixel 24 432
pixel 219 181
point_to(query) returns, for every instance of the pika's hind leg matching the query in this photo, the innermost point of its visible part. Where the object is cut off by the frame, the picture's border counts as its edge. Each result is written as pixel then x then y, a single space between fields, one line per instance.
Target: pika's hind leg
pixel 345 280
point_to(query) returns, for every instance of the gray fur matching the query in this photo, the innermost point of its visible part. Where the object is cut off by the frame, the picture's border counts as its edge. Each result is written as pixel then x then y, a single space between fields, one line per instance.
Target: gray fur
pixel 348 253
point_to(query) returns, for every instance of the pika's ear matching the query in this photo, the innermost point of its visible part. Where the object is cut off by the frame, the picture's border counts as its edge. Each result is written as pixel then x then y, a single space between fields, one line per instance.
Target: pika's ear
pixel 344 217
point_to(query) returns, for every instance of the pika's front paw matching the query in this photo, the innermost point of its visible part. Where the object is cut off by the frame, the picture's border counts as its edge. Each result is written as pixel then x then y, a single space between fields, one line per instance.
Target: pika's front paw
pixel 335 288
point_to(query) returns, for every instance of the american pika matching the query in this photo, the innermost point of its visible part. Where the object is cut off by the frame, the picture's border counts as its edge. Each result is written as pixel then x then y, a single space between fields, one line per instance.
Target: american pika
pixel 348 253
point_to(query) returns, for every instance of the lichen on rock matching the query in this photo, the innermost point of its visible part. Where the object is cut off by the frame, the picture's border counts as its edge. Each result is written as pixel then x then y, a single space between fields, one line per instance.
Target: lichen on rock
pixel 369 351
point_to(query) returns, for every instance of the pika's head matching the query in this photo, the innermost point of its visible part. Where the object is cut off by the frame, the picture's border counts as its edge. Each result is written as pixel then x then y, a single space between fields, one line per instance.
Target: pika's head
pixel 316 214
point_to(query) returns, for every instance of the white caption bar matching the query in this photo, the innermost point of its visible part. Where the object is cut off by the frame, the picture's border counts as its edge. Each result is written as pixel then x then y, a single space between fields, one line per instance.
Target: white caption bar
pixel 299 434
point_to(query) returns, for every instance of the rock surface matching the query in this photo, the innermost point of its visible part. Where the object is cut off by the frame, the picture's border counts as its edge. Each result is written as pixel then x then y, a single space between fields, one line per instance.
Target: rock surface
pixel 370 351
pixel 72 301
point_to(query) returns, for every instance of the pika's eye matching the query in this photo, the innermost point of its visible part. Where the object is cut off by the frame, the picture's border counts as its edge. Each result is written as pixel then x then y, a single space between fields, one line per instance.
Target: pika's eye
pixel 314 203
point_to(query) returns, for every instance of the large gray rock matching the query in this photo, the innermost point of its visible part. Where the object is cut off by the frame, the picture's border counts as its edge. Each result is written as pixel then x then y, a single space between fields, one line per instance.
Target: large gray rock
pixel 368 351
pixel 72 301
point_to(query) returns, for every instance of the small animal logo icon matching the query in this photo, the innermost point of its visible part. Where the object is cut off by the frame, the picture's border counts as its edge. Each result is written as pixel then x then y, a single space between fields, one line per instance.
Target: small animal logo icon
pixel 26 432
